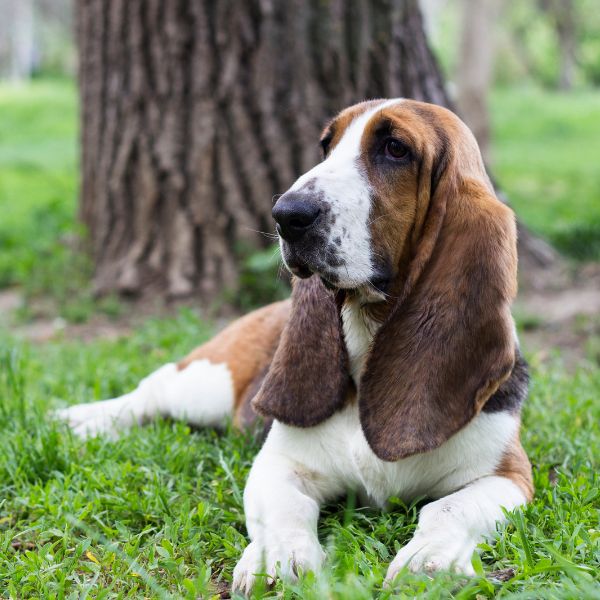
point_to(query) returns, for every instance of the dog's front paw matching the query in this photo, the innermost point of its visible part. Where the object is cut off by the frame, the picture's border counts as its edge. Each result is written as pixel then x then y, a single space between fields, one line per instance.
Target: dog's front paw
pixel 434 551
pixel 107 417
pixel 287 557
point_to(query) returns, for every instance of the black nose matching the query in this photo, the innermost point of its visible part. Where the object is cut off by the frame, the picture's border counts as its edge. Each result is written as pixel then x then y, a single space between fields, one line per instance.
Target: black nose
pixel 295 213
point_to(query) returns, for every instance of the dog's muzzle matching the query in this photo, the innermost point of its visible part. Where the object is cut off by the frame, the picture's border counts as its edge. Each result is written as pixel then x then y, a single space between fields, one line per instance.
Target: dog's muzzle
pixel 295 213
pixel 301 222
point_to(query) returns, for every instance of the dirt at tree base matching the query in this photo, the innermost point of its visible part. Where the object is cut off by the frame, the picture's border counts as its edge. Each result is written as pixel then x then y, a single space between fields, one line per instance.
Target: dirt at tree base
pixel 562 313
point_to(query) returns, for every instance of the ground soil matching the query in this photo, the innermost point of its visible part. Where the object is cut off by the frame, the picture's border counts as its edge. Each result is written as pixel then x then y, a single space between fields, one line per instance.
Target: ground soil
pixel 561 311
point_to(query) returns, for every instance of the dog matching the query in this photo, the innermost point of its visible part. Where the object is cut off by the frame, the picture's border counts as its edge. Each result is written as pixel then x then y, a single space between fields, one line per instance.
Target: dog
pixel 393 370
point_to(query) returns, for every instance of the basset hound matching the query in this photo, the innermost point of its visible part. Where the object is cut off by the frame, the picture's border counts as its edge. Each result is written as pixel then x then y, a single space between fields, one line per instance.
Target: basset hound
pixel 393 370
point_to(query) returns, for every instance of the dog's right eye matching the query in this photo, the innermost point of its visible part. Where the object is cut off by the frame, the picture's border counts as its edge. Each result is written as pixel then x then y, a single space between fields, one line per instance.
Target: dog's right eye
pixel 395 149
pixel 325 143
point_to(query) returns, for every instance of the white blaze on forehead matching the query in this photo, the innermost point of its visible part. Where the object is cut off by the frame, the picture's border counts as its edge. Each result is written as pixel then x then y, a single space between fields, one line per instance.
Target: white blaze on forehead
pixel 345 189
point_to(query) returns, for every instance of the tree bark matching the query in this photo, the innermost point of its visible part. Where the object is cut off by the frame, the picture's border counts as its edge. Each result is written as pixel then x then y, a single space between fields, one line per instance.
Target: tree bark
pixel 566 30
pixel 476 67
pixel 195 113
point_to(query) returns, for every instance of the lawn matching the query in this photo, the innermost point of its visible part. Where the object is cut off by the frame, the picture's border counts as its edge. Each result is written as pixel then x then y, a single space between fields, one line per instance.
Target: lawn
pixel 546 156
pixel 158 513
pixel 38 175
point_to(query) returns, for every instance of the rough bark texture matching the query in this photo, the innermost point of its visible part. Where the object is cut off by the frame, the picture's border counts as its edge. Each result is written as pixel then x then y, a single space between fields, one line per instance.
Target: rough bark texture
pixel 195 113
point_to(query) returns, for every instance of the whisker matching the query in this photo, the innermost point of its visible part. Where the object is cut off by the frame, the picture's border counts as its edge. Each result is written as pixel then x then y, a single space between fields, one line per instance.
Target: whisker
pixel 376 253
pixel 384 294
pixel 282 270
pixel 377 219
pixel 267 234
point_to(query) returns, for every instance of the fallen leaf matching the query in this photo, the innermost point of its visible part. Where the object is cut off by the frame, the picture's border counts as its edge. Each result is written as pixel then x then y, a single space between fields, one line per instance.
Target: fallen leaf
pixel 92 557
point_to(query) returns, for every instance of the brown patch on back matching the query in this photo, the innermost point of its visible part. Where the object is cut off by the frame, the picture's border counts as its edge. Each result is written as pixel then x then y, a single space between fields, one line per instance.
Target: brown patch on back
pixel 246 346
pixel 516 466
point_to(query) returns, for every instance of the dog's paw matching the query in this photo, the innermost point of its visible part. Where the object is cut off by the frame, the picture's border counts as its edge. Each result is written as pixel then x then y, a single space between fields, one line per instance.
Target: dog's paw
pixel 107 418
pixel 433 552
pixel 287 557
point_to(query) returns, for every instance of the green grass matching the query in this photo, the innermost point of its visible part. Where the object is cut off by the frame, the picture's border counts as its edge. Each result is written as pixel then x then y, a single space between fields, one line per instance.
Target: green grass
pixel 38 174
pixel 159 512
pixel 546 155
pixel 40 240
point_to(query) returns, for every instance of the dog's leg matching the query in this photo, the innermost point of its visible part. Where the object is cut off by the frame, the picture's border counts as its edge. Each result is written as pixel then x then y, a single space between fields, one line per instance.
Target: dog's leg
pixel 205 388
pixel 449 529
pixel 282 509
pixel 202 393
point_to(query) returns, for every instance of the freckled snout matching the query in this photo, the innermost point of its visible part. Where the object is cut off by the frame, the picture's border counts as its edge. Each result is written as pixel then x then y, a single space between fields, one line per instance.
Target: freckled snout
pixel 295 213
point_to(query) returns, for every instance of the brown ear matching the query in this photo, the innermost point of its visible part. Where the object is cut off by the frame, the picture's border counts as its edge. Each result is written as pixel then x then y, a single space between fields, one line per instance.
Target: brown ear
pixel 448 344
pixel 308 377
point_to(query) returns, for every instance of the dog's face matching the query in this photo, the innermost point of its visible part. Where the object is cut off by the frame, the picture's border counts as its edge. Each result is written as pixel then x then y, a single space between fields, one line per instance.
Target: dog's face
pixel 402 212
pixel 354 217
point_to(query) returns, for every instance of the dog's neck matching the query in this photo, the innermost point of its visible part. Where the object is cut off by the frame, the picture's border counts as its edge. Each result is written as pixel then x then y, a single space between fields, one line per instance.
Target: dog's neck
pixel 359 329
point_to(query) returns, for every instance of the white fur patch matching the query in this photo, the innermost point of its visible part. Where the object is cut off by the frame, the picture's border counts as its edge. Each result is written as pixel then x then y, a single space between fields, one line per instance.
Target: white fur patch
pixel 358 335
pixel 346 189
pixel 202 394
pixel 298 469
pixel 336 452
pixel 450 528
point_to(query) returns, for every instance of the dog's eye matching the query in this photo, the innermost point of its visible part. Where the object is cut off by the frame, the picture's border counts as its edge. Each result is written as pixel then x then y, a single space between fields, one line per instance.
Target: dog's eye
pixel 395 149
pixel 325 143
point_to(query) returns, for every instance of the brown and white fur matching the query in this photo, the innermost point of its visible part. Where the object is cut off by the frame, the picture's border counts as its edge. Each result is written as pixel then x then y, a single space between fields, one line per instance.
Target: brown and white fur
pixel 393 370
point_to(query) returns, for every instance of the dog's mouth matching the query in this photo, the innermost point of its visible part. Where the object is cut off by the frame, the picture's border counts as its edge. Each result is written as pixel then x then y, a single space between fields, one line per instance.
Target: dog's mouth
pixel 373 290
pixel 304 271
pixel 300 270
pixel 314 258
pixel 322 260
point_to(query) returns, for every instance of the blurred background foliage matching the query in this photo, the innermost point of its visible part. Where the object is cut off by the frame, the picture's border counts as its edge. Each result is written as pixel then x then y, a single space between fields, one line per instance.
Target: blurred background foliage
pixel 36 39
pixel 527 41
pixel 545 144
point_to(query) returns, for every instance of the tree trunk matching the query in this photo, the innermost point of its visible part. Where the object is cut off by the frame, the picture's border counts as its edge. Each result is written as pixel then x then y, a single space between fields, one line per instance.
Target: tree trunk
pixel 476 67
pixel 567 38
pixel 196 112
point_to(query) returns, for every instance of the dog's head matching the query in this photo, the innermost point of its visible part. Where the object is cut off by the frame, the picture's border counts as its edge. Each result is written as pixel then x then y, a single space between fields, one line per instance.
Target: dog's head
pixel 400 213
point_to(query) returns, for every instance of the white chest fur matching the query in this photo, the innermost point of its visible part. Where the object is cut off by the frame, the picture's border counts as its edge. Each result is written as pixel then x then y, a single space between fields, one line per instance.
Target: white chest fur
pixel 359 331
pixel 335 456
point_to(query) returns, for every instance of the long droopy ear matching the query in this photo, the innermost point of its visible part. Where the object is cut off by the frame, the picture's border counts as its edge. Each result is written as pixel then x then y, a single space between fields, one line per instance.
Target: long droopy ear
pixel 308 377
pixel 448 343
